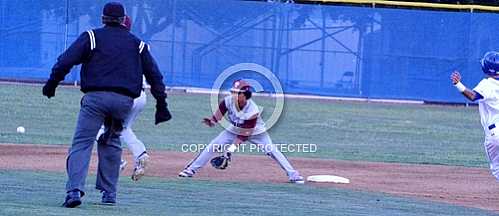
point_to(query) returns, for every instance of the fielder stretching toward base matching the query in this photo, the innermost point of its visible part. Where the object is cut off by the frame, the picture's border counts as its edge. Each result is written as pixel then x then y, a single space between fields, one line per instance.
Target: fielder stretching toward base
pixel 486 93
pixel 247 125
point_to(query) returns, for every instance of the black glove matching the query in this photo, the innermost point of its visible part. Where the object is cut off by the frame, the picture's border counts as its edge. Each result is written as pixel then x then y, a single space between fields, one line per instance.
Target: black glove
pixel 49 88
pixel 221 162
pixel 162 112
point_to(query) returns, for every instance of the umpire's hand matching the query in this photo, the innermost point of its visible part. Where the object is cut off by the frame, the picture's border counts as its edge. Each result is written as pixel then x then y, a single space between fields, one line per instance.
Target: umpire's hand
pixel 49 88
pixel 162 112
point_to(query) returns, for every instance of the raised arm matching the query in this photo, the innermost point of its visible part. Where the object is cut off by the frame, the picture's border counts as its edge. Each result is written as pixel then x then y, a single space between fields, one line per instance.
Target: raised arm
pixel 155 79
pixel 468 93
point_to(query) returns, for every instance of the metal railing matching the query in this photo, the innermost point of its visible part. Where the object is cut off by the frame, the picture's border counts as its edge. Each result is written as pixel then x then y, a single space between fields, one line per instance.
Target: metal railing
pixel 470 7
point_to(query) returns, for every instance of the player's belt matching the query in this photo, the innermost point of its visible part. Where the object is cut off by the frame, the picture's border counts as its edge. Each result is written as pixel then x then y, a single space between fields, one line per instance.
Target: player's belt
pixel 492 126
pixel 235 124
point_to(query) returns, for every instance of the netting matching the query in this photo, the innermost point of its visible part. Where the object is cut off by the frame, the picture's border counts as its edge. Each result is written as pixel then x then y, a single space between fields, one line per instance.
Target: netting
pixel 312 49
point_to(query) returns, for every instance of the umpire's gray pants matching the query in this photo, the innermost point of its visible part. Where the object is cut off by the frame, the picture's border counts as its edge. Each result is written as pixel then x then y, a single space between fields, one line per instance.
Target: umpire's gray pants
pixel 128 137
pixel 97 108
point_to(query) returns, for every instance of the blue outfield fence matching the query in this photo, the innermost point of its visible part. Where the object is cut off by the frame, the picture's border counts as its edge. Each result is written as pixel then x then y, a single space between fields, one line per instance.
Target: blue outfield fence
pixel 312 49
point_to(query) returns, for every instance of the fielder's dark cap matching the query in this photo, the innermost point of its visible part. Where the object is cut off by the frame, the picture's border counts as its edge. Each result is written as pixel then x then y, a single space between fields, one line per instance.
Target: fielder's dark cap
pixel 113 9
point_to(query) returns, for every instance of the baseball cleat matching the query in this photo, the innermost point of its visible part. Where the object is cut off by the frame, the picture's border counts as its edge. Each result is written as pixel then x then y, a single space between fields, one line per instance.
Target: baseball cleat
pixel 108 198
pixel 186 174
pixel 122 165
pixel 297 180
pixel 73 199
pixel 140 166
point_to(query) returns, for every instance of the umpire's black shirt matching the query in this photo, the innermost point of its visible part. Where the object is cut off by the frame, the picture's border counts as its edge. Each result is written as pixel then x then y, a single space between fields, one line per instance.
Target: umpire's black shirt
pixel 113 60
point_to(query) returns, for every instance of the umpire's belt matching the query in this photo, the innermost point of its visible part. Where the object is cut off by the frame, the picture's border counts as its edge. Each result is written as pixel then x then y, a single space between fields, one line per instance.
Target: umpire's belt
pixel 492 126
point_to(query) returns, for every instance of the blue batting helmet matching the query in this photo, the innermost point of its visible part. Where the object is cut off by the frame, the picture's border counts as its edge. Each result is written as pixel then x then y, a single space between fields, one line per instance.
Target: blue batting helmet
pixel 490 63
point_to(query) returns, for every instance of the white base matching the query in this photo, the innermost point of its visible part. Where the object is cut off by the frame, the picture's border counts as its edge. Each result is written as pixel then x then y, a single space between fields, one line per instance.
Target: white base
pixel 328 178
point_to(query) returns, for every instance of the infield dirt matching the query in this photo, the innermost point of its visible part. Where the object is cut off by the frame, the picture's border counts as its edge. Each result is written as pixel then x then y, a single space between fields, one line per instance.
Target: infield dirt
pixel 471 187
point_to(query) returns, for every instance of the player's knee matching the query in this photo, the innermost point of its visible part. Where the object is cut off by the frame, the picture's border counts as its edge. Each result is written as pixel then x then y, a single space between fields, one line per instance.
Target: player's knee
pixel 269 149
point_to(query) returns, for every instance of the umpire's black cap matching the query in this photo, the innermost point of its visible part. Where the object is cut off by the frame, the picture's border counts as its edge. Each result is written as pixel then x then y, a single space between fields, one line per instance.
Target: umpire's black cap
pixel 113 9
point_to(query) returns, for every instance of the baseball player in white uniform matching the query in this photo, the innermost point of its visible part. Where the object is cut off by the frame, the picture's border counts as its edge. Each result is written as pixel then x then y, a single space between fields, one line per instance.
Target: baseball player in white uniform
pixel 486 93
pixel 141 158
pixel 138 149
pixel 246 125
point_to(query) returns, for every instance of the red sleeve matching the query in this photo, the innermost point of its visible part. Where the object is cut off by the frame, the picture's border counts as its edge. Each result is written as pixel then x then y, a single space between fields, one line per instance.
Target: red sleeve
pixel 222 109
pixel 248 124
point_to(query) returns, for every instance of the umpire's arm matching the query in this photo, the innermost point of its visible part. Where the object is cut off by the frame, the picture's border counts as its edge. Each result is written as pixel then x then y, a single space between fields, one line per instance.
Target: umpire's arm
pixel 74 55
pixel 155 79
pixel 153 76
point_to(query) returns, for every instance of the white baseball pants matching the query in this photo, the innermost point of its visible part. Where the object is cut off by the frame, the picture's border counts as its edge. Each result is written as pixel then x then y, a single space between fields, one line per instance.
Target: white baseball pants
pixel 226 138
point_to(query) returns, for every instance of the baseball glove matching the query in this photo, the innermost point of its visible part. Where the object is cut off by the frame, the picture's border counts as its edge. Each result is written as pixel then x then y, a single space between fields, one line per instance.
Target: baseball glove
pixel 221 162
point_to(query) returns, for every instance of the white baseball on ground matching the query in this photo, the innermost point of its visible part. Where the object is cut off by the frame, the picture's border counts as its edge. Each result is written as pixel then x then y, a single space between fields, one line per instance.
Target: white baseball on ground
pixel 21 129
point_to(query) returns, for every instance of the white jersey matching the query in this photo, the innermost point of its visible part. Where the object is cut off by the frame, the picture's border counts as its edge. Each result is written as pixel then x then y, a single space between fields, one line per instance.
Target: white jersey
pixel 237 117
pixel 489 104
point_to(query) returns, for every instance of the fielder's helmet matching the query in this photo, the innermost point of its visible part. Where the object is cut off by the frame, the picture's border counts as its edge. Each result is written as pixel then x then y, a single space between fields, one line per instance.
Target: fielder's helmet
pixel 490 63
pixel 241 86
pixel 127 23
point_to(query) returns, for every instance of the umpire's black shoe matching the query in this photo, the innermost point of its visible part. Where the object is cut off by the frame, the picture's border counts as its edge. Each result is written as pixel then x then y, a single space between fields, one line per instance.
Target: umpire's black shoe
pixel 73 199
pixel 108 198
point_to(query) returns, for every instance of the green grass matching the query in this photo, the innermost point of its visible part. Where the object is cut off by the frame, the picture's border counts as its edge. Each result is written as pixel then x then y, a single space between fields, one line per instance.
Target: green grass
pixel 41 193
pixel 342 130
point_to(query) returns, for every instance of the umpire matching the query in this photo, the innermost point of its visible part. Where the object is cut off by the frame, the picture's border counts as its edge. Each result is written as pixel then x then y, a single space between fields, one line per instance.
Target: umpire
pixel 113 61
